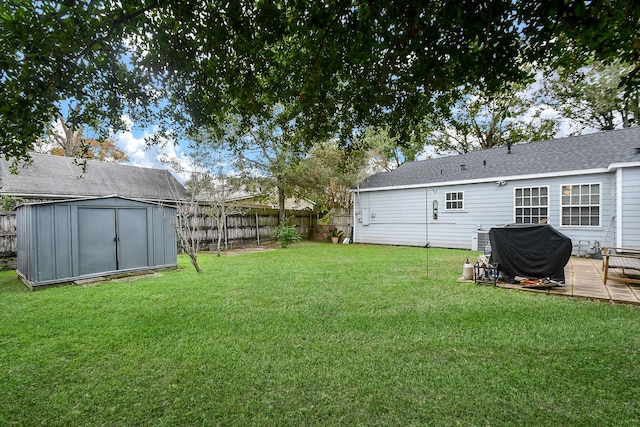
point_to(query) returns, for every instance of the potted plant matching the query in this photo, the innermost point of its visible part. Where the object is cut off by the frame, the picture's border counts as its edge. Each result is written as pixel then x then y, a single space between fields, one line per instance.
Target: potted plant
pixel 336 235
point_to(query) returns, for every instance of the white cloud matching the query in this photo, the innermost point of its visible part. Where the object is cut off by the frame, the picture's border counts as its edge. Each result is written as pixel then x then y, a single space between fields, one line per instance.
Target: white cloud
pixel 158 156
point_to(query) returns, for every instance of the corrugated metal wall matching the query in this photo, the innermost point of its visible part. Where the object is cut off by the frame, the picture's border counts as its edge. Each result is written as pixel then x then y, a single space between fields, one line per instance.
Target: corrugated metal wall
pixel 66 241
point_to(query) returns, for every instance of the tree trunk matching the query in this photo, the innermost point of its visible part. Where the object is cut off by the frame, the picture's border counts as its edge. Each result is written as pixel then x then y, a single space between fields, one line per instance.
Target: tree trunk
pixel 193 257
pixel 221 229
pixel 71 141
pixel 189 248
pixel 282 213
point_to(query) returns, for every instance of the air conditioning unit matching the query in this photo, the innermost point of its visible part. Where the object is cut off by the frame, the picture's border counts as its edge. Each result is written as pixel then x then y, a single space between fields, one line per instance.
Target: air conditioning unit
pixel 479 240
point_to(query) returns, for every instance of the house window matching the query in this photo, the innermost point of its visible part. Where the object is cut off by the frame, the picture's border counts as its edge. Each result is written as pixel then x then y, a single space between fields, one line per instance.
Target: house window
pixel 581 205
pixel 531 205
pixel 454 201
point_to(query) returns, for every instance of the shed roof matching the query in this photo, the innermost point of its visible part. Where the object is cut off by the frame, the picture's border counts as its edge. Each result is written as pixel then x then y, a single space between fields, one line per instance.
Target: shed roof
pixel 112 198
pixel 55 177
pixel 579 153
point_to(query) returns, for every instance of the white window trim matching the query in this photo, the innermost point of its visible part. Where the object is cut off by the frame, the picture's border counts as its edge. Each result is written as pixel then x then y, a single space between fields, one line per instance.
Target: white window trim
pixel 589 227
pixel 548 205
pixel 461 209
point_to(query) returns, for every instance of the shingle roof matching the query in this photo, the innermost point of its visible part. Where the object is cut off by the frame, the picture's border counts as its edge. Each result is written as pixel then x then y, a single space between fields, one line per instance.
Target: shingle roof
pixel 592 151
pixel 59 177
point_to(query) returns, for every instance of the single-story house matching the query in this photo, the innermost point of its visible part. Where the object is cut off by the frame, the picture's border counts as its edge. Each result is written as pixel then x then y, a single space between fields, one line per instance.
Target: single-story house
pixel 48 178
pixel 256 199
pixel 270 201
pixel 587 187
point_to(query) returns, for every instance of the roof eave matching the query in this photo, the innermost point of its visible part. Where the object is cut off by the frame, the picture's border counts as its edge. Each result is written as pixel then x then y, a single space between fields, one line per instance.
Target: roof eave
pixel 608 169
pixel 85 197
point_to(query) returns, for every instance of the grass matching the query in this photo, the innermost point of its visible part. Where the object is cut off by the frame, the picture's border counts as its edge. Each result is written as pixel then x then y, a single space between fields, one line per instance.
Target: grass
pixel 315 334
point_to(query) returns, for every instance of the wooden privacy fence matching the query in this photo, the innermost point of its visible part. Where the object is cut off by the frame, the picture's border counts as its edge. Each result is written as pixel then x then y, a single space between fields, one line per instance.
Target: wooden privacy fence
pixel 340 219
pixel 7 234
pixel 251 227
pixel 257 226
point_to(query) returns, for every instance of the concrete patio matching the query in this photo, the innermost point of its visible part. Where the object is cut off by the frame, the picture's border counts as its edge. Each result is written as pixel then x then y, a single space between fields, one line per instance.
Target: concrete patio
pixel 583 277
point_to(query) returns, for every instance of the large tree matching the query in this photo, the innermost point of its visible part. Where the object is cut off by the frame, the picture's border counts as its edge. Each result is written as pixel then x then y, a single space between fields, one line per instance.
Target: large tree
pixel 264 154
pixel 60 52
pixel 387 151
pixel 481 120
pixel 328 173
pixel 593 96
pixel 342 63
pixel 65 140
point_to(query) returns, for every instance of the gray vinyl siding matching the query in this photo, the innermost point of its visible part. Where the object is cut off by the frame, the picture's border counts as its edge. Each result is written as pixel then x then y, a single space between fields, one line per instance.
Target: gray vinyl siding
pixel 630 208
pixel 397 216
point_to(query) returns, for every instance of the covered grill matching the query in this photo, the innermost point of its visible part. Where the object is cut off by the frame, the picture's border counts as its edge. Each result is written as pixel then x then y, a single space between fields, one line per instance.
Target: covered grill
pixel 530 250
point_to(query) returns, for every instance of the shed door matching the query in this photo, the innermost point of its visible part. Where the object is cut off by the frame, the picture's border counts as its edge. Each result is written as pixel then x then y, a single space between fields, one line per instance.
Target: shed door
pixel 111 239
pixel 96 240
pixel 132 238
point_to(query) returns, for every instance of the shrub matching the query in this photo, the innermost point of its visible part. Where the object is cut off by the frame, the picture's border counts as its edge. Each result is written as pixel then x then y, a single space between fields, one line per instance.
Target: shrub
pixel 286 234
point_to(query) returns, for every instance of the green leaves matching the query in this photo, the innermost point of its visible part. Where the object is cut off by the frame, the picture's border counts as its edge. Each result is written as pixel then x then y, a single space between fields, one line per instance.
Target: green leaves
pixel 341 65
pixel 286 234
pixel 481 119
pixel 594 96
pixel 56 53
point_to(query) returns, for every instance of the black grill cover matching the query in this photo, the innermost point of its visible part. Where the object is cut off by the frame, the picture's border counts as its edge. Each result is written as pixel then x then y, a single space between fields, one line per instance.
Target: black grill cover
pixel 530 250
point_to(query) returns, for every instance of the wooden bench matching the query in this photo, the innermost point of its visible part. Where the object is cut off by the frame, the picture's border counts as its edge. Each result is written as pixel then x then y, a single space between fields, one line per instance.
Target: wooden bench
pixel 621 258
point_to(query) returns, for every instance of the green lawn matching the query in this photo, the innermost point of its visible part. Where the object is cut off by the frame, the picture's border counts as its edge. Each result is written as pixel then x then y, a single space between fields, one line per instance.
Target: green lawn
pixel 315 334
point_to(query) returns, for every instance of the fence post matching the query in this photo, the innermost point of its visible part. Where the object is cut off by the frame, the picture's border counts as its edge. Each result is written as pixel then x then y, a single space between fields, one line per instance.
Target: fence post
pixel 225 229
pixel 257 228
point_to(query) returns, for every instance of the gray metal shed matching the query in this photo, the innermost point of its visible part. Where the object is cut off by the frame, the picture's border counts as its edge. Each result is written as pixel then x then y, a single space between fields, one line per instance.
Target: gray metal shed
pixel 64 241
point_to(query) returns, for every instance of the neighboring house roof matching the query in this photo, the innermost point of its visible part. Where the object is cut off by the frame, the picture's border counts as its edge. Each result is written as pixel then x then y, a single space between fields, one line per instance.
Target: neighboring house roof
pixel 592 152
pixel 260 200
pixel 290 203
pixel 230 196
pixel 271 200
pixel 55 177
